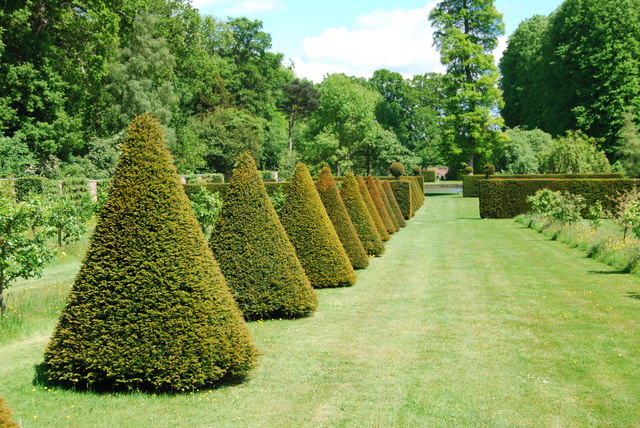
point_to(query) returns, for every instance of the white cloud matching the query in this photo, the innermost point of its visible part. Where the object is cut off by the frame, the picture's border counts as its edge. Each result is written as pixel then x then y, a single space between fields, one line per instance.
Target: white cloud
pixel 502 45
pixel 244 7
pixel 400 40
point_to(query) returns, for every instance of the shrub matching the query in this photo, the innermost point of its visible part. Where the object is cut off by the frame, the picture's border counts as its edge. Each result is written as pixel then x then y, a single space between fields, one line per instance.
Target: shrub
pixel 277 198
pixel 543 202
pixel 394 203
pixel 267 176
pixel 627 210
pixel 373 211
pixel 376 197
pixel 387 205
pixel 212 177
pixel 149 308
pixel 489 169
pixel 312 234
pixel 396 169
pixel 417 170
pixel 339 216
pixel 595 213
pixel 429 176
pixel 5 416
pixel 402 192
pixel 359 213
pixel 254 252
pixel 508 198
pixel 206 206
pixel 468 170
pixel 568 208
pixel 33 185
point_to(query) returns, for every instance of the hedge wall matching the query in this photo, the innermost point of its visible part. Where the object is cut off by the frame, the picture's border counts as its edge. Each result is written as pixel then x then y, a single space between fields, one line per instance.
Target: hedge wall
pixel 402 192
pixel 508 198
pixel 471 183
pixel 429 176
pixel 221 188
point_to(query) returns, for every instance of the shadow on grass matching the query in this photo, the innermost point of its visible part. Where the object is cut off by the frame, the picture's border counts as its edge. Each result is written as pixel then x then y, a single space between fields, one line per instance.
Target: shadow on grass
pixel 40 379
pixel 608 272
pixel 633 295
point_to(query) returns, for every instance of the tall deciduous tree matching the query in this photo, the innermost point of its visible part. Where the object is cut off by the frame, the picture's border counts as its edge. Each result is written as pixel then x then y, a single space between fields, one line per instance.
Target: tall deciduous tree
pixel 466 32
pixel 300 98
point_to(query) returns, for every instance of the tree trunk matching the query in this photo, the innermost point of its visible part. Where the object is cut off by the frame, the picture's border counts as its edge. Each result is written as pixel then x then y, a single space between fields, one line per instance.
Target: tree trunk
pixel 291 134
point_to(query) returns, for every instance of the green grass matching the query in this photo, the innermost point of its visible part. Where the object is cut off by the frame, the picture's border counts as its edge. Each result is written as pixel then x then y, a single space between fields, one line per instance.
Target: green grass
pixel 463 322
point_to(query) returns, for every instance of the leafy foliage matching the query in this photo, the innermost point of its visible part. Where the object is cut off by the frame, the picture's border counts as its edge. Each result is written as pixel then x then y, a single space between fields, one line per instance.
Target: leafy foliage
pixel 575 153
pixel 149 308
pixel 255 253
pixel 396 169
pixel 360 216
pixel 206 206
pixel 525 151
pixel 629 148
pixel 312 234
pixel 337 212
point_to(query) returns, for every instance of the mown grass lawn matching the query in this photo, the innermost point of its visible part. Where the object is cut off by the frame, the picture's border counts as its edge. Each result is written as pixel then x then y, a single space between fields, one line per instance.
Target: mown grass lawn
pixel 463 322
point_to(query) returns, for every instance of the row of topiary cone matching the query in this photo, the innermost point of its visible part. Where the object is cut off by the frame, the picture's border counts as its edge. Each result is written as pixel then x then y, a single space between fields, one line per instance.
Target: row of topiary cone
pixel 152 306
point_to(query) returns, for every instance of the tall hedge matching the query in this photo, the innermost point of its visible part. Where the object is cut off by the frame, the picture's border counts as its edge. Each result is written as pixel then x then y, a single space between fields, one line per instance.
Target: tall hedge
pixel 359 213
pixel 254 252
pixel 5 416
pixel 373 211
pixel 471 183
pixel 339 216
pixel 402 192
pixel 508 198
pixel 387 205
pixel 429 176
pixel 149 308
pixel 312 234
pixel 379 203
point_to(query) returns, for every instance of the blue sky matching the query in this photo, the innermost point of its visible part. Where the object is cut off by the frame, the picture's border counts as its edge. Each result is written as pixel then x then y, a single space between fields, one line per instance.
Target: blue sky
pixel 357 37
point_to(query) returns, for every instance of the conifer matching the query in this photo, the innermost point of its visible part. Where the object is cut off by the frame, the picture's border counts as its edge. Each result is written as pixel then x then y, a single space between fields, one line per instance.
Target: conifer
pixel 387 205
pixel 149 308
pixel 339 216
pixel 360 216
pixel 5 416
pixel 373 211
pixel 255 253
pixel 376 197
pixel 312 234
pixel 394 203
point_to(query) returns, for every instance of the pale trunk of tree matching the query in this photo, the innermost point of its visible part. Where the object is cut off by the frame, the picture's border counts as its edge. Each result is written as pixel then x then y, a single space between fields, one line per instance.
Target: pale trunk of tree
pixel 291 134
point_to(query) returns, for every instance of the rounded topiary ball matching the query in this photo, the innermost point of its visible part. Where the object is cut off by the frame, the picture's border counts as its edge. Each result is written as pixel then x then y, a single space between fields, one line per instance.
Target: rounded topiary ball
pixel 468 170
pixel 417 170
pixel 396 169
pixel 489 169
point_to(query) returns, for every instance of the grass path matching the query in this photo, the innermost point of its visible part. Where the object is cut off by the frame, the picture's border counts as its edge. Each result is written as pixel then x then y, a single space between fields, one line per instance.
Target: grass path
pixel 463 322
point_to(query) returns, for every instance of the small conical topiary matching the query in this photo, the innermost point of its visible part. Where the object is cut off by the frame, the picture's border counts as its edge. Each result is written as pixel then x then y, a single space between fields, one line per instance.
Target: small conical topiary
pixel 387 205
pixel 373 211
pixel 5 416
pixel 254 252
pixel 149 308
pixel 359 213
pixel 312 234
pixel 376 197
pixel 394 203
pixel 339 216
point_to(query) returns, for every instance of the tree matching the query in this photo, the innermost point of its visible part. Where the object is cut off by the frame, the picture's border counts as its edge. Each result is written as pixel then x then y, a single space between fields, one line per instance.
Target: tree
pixel 300 98
pixel 378 202
pixel 24 249
pixel 628 149
pixel 575 153
pixel 373 211
pixel 525 151
pixel 359 213
pixel 149 308
pixel 466 32
pixel 312 234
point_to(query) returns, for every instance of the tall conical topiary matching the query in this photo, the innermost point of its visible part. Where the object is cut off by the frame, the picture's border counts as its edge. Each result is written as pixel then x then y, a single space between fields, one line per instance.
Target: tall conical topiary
pixel 5 416
pixel 394 203
pixel 339 216
pixel 387 205
pixel 379 203
pixel 359 213
pixel 312 234
pixel 373 211
pixel 254 252
pixel 149 308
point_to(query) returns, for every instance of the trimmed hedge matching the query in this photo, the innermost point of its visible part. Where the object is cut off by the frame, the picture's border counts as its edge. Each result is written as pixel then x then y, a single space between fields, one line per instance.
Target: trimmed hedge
pixel 429 176
pixel 373 211
pixel 379 204
pixel 312 234
pixel 394 204
pixel 149 308
pixel 255 253
pixel 359 213
pixel 508 198
pixel 339 216
pixel 416 199
pixel 471 183
pixel 387 205
pixel 36 185
pixel 5 416
pixel 210 177
pixel 402 192
pixel 221 188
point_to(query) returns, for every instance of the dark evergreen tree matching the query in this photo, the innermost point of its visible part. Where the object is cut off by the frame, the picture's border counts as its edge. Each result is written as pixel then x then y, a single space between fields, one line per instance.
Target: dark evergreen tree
pixel 380 207
pixel 149 308
pixel 359 213
pixel 387 205
pixel 373 211
pixel 394 203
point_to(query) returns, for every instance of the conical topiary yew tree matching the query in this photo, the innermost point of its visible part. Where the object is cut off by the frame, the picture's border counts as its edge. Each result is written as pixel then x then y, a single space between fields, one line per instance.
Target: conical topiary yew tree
pixel 254 252
pixel 339 216
pixel 379 204
pixel 149 308
pixel 5 416
pixel 373 211
pixel 387 205
pixel 394 203
pixel 360 216
pixel 312 234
